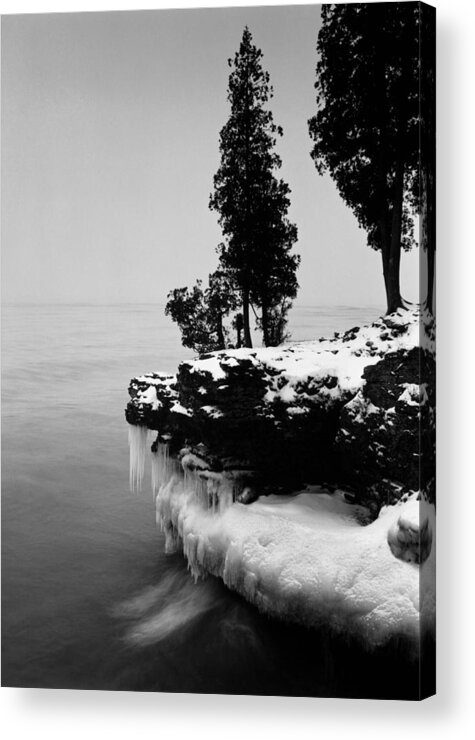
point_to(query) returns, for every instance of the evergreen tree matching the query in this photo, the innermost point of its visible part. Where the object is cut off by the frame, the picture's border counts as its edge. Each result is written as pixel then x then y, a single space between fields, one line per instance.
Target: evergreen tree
pixel 366 130
pixel 252 203
pixel 200 313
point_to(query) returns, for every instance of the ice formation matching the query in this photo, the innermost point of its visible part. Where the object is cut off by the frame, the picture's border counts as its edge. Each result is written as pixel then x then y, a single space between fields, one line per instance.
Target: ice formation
pixel 209 491
pixel 138 440
pixel 307 557
pixel 160 467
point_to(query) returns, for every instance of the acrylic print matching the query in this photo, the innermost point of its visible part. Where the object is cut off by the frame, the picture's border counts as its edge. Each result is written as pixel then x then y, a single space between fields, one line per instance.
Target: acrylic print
pixel 221 221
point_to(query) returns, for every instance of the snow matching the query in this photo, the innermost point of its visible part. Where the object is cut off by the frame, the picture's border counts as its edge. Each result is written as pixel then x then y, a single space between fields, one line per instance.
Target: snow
pixel 410 537
pixel 177 408
pixel 190 461
pixel 308 557
pixel 290 368
pixel 304 374
pixel 158 379
pixel 359 407
pixel 413 394
pixel 296 410
pixel 149 396
pixel 212 411
pixel 410 516
pixel 210 364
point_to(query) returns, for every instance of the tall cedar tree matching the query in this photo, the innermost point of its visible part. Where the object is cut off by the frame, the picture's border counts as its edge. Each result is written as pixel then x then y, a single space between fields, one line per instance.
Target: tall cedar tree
pixel 366 130
pixel 252 203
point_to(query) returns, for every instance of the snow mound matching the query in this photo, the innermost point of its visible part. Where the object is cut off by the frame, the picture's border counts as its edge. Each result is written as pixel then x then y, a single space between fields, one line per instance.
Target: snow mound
pixel 308 557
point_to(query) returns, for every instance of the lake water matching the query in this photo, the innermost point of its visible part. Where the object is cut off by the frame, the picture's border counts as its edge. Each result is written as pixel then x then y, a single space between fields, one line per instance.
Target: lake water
pixel 90 600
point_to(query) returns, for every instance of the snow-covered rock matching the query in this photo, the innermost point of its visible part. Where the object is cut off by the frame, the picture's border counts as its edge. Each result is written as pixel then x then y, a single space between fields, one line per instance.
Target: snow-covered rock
pixel 152 396
pixel 385 443
pixel 345 410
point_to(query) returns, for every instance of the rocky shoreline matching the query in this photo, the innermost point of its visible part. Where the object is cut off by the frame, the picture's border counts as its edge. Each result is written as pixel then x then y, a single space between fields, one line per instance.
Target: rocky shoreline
pixel 355 411
pixel 302 475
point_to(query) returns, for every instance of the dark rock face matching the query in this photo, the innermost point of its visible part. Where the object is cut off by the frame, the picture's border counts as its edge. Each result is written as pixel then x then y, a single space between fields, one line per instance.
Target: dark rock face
pixel 151 396
pixel 228 424
pixel 355 411
pixel 385 443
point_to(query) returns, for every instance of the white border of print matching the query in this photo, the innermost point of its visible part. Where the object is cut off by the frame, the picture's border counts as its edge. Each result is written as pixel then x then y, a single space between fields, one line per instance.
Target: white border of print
pixel 51 714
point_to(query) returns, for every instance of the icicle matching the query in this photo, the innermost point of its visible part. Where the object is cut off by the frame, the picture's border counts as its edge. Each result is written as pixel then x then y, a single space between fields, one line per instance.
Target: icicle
pixel 226 495
pixel 213 491
pixel 160 468
pixel 196 485
pixel 138 437
pixel 155 473
pixel 219 492
pixel 194 550
pixel 202 491
pixel 172 538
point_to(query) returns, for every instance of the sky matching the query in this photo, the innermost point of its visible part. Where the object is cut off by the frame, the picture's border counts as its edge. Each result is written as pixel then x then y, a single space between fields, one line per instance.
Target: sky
pixel 110 140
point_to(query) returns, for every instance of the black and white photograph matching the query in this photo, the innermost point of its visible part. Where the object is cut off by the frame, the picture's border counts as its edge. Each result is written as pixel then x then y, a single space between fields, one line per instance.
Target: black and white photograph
pixel 218 350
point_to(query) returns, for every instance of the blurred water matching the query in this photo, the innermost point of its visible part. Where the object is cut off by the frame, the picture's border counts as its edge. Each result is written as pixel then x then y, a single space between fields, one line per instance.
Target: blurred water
pixel 89 598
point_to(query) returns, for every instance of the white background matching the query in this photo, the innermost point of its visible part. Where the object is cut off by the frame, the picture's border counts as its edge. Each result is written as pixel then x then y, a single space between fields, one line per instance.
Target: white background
pixel 38 714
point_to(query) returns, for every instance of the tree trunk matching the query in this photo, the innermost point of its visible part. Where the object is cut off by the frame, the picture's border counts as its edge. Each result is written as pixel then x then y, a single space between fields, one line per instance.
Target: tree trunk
pixel 385 247
pixel 220 332
pixel 393 293
pixel 238 327
pixel 245 318
pixel 385 233
pixel 265 324
pixel 392 257
pixel 391 265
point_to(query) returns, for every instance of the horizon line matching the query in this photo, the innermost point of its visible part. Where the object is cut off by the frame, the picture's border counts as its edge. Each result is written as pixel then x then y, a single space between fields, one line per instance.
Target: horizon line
pixel 5 304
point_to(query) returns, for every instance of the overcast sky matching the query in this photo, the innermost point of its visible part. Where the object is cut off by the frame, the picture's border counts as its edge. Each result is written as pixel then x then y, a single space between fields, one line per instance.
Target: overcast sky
pixel 110 126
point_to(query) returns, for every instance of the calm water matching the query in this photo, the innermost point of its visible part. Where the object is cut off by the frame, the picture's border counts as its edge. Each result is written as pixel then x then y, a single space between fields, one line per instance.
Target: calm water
pixel 89 598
